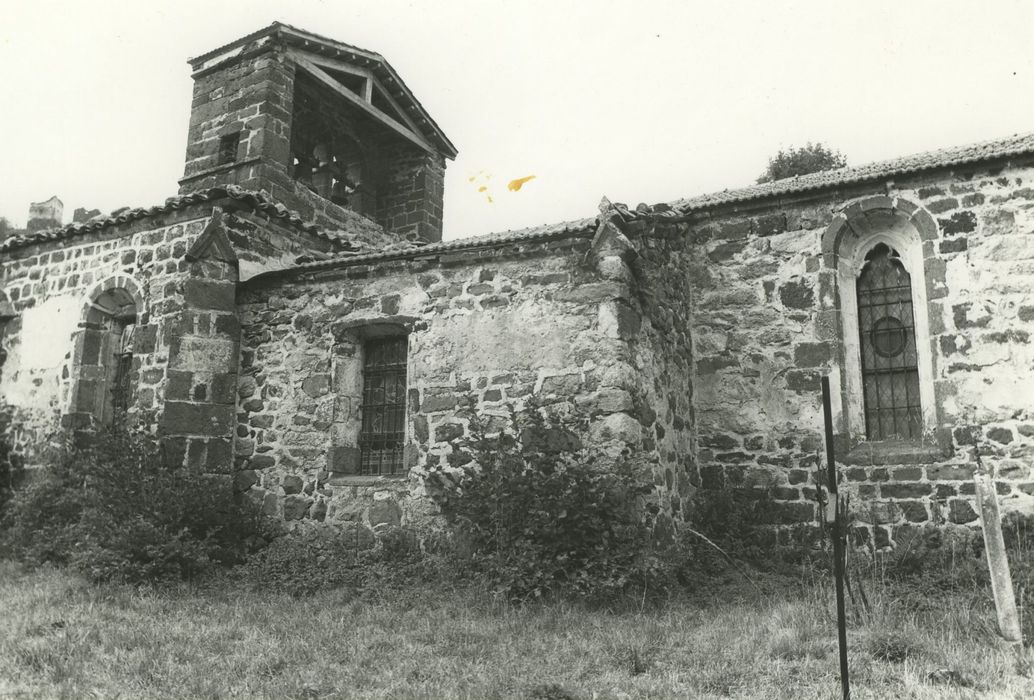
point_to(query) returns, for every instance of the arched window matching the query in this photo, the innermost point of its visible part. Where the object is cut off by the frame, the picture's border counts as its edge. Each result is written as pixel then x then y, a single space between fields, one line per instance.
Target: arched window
pixel 887 340
pixel 6 316
pixel 875 249
pixel 104 372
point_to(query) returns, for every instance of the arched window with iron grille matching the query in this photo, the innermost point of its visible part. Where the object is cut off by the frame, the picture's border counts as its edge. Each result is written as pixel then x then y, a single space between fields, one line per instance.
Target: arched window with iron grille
pixel 889 358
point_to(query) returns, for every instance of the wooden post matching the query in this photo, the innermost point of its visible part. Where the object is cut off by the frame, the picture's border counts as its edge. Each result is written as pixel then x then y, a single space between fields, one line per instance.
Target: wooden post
pixel 998 563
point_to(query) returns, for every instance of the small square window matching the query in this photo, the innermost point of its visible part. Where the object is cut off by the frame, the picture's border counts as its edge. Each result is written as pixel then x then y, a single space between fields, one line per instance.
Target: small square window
pixel 383 429
pixel 228 148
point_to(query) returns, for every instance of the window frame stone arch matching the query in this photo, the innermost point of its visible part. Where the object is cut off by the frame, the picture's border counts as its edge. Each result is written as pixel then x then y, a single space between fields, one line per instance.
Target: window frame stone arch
pixel 854 232
pixel 90 404
pixel 7 314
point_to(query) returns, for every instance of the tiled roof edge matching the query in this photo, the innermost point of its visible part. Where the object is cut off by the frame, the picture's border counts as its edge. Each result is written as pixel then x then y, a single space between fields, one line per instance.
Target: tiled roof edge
pixel 257 200
pixel 567 229
pixel 930 160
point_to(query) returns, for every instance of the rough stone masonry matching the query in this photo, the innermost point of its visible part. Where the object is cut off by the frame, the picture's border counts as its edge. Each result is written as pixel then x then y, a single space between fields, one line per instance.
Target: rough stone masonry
pixel 242 320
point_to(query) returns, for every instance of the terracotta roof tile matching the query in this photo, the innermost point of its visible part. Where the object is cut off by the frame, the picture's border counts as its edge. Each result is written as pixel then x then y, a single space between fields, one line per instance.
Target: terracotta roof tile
pixel 930 160
pixel 257 201
pixel 578 227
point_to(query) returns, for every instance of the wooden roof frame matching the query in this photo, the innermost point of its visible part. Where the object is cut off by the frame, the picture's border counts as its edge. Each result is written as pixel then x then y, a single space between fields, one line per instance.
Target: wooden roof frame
pixel 310 50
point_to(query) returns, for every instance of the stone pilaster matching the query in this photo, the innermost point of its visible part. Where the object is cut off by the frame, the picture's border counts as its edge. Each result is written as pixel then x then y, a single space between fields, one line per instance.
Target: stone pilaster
pixel 201 389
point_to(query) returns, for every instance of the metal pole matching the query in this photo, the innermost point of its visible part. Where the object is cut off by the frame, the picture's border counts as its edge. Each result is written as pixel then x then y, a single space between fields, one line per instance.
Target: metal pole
pixel 839 536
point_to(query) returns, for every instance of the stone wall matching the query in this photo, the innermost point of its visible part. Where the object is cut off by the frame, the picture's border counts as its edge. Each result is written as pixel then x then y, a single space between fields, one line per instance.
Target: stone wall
pixel 412 192
pixel 50 285
pixel 765 325
pixel 663 361
pixel 488 330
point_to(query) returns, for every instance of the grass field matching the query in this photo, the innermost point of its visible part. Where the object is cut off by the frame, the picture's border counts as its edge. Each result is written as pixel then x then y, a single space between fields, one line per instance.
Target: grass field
pixel 61 637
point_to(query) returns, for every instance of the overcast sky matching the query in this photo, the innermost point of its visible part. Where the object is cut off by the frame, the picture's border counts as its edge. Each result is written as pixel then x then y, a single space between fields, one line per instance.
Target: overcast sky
pixel 638 100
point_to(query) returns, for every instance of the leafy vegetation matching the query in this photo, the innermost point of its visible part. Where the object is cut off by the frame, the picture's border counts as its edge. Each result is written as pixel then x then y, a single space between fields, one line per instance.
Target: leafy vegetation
pixel 327 558
pixel 536 513
pixel 801 160
pixel 114 510
pixel 11 469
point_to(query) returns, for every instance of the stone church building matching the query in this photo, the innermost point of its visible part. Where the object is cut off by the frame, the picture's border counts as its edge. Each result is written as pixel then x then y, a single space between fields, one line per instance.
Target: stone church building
pixel 292 320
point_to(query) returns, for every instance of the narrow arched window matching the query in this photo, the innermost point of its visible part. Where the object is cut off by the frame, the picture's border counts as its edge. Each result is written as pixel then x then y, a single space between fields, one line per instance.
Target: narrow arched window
pixel 105 372
pixel 889 358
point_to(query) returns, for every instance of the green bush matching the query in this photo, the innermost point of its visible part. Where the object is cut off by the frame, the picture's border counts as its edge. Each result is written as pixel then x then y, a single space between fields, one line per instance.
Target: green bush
pixel 11 470
pixel 739 521
pixel 114 510
pixel 537 514
pixel 325 558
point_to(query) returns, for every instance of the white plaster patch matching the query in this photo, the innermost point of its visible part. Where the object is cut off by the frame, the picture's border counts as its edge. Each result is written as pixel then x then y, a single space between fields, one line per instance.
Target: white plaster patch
pixel 200 354
pixel 46 335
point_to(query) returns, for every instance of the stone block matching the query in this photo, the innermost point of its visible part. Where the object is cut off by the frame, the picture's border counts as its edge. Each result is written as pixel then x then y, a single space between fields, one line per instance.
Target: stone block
pixel 711 365
pixel 551 440
pixel 562 384
pixel 617 426
pixel 175 450
pixel 812 354
pixel 914 511
pixel 447 432
pixel 224 389
pixel 436 400
pixel 800 380
pixel 791 512
pixel 880 513
pixel 770 224
pixel 726 251
pixel 219 456
pixel 618 320
pixel 316 385
pixel 942 205
pixel 960 511
pixel 296 507
pixel 262 461
pixel 951 472
pixel 907 490
pixel 593 292
pixel 797 295
pixel 181 418
pixel 203 354
pixel 612 400
pixel 245 479
pixel 145 339
pixel 207 294
pixel 907 474
pixel 344 459
pixel 292 484
pixel 384 512
pixel 1000 435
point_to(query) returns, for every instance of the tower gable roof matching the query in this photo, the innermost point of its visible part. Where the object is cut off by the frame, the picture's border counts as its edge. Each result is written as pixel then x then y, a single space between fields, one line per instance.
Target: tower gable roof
pixel 381 89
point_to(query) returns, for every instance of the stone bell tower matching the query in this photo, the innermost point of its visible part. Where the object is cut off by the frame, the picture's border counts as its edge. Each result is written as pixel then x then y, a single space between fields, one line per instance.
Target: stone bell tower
pixel 327 129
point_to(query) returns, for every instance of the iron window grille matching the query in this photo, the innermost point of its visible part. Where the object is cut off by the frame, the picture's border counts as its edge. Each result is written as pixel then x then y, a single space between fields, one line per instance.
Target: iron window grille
pixel 890 365
pixel 383 430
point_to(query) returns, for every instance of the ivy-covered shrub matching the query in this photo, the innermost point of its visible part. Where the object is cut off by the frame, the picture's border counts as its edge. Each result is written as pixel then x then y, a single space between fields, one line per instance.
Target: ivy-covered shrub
pixel 323 558
pixel 739 521
pixel 11 471
pixel 535 513
pixel 114 510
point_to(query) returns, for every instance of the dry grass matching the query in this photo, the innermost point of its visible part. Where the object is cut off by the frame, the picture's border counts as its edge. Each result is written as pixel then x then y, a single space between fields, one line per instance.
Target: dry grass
pixel 60 637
